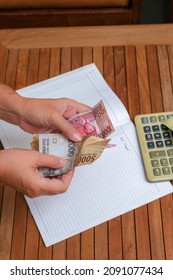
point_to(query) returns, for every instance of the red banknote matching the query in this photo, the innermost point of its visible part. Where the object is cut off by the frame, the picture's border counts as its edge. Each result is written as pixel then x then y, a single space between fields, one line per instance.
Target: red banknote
pixel 95 122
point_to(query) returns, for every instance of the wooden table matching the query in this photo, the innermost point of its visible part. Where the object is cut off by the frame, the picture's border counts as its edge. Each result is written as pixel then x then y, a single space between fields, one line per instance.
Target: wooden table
pixel 137 63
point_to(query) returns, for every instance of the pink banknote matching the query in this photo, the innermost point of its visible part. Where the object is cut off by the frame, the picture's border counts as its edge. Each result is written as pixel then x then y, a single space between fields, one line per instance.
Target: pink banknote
pixel 95 122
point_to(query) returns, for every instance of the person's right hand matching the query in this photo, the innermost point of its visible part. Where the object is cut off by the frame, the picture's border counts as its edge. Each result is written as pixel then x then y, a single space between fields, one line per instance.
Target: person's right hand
pixel 19 169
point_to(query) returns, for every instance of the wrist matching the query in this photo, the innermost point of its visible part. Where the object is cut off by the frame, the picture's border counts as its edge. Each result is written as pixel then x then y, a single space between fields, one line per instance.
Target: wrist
pixel 10 104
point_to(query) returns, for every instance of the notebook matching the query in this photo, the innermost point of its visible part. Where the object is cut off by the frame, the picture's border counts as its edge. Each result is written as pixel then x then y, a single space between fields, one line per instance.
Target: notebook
pixel 115 184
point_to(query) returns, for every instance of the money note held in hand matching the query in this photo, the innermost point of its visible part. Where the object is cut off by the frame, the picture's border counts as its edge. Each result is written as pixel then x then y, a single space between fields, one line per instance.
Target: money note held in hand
pixel 85 152
pixel 95 125
pixel 95 122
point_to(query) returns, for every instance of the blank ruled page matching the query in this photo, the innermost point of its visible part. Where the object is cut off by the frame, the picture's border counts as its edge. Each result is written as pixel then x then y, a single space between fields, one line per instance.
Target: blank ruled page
pixel 109 187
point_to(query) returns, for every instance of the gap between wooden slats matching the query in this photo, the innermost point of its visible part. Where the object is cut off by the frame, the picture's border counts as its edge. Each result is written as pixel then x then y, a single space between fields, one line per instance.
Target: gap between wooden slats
pixel 9 194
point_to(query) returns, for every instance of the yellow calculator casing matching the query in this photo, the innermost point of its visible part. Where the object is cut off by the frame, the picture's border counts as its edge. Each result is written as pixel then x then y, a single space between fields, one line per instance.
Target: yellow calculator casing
pixel 162 154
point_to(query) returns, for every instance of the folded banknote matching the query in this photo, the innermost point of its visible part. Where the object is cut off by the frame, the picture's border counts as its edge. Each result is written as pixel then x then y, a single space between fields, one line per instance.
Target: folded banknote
pixel 81 153
pixel 94 125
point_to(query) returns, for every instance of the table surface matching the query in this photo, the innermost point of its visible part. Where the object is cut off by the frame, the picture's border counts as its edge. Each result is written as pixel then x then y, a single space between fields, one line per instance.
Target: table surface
pixel 137 63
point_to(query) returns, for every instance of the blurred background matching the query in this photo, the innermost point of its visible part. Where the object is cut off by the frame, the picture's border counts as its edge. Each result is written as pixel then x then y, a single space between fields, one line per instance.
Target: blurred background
pixel 156 11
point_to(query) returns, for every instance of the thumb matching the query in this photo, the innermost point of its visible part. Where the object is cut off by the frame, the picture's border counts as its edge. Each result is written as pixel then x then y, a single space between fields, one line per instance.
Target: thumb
pixel 50 161
pixel 67 129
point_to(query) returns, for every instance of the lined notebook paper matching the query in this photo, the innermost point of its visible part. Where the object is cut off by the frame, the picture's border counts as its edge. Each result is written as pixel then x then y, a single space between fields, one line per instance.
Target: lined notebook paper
pixel 113 185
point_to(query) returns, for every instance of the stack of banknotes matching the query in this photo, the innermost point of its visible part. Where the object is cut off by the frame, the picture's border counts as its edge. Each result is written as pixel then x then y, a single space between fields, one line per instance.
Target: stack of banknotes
pixel 94 125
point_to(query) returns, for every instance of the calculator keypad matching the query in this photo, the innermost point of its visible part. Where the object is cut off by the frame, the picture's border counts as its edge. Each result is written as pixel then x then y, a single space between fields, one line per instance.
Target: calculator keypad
pixel 159 142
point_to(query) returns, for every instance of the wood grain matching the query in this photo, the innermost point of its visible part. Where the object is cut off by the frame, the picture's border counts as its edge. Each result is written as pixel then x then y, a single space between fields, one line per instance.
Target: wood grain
pixel 137 63
pixel 87 36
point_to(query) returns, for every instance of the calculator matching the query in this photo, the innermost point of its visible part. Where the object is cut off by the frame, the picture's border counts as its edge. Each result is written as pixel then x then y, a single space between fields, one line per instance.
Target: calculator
pixel 156 144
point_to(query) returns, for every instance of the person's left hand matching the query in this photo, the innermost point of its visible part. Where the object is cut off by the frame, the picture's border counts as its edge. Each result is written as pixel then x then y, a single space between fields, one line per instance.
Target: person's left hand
pixel 49 115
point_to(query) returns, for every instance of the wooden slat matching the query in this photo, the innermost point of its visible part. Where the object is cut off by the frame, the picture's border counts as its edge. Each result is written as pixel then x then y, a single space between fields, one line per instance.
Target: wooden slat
pixel 43 74
pixel 65 60
pixel 20 217
pixel 101 231
pixel 132 81
pixel 128 236
pixel 21 73
pixel 120 74
pixel 87 237
pixel 108 71
pixel 154 79
pixel 64 65
pixel 98 58
pixel 8 204
pixel 114 226
pixel 115 239
pixel 10 78
pixel 87 36
pixel 167 222
pixel 156 231
pixel 19 230
pixel 101 242
pixel 141 213
pixel 32 235
pixel 6 227
pixel 59 249
pixel 165 78
pixel 170 56
pixel 73 243
pixel 142 233
pixel 143 84
pixel 3 64
pixel 33 64
pixel 54 62
pixel 32 239
pixel 128 221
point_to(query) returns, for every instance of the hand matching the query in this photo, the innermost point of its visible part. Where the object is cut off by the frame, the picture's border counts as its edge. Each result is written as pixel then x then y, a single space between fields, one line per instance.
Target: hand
pixel 19 169
pixel 40 115
pixel 48 115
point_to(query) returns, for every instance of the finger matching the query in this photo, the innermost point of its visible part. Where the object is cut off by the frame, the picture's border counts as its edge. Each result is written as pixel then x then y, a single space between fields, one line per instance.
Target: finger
pixel 67 129
pixel 50 161
pixel 56 186
pixel 82 107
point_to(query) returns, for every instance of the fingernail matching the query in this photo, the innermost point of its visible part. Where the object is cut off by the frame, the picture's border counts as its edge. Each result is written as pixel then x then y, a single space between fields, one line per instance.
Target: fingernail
pixel 77 136
pixel 62 161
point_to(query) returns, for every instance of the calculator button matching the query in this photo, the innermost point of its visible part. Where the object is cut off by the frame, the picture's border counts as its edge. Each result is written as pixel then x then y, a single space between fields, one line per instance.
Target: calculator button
pixel 157 136
pixel 157 171
pixel 166 135
pixel 159 144
pixel 166 170
pixel 147 129
pixel 170 153
pixel 155 128
pixel 164 162
pixel 144 120
pixel 168 143
pixel 155 163
pixel 148 137
pixel 164 127
pixel 169 116
pixel 153 119
pixel 171 161
pixel 157 154
pixel 161 118
pixel 150 145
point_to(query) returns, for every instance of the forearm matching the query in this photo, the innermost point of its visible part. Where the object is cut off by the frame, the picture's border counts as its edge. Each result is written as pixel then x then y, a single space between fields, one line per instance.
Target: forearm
pixel 10 102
